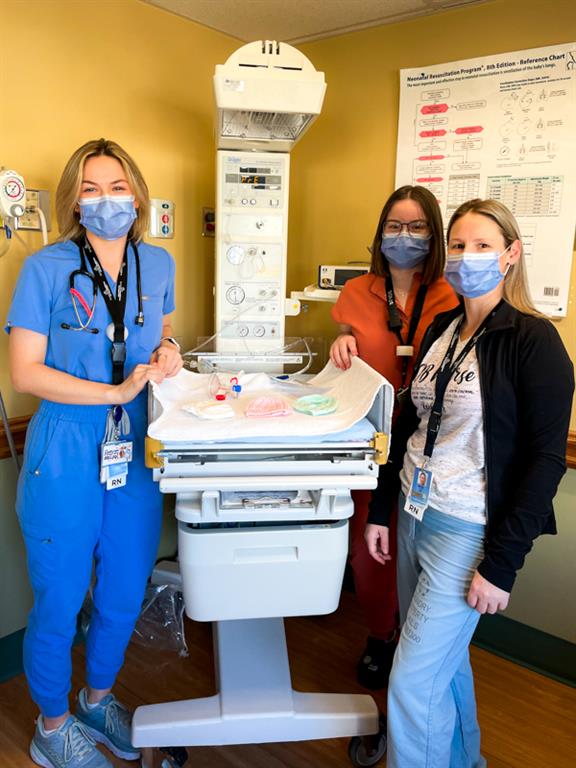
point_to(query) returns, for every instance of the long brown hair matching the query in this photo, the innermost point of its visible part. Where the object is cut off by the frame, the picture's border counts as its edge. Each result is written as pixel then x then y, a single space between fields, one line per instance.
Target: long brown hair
pixel 68 190
pixel 436 258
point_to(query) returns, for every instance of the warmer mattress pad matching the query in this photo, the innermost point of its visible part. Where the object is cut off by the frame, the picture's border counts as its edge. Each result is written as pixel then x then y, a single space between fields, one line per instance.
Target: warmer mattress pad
pixel 354 391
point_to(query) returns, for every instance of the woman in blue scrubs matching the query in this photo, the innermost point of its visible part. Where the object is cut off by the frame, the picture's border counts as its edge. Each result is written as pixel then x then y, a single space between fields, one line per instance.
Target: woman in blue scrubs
pixel 63 333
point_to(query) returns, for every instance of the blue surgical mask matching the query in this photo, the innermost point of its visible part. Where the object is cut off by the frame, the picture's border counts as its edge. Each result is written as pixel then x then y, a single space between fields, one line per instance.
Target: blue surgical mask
pixel 474 274
pixel 108 217
pixel 405 251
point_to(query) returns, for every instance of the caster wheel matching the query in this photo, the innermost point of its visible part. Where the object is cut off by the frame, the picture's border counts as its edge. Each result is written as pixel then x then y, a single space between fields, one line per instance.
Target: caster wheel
pixel 164 757
pixel 368 750
pixel 176 757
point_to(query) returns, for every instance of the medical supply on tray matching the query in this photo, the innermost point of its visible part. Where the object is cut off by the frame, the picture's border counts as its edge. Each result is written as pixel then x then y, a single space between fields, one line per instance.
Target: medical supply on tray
pixel 219 391
pixel 353 390
pixel 207 409
pixel 268 406
pixel 316 405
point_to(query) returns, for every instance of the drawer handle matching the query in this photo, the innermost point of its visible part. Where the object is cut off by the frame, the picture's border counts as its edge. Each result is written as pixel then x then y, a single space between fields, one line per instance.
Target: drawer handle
pixel 266 555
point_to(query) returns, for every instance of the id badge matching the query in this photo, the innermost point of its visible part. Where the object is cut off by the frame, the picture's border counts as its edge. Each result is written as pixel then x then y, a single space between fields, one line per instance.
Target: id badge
pixel 417 499
pixel 117 474
pixel 114 475
pixel 116 452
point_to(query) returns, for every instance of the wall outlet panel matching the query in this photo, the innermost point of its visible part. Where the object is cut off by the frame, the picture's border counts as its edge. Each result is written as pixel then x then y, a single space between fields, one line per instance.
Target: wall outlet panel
pixel 161 218
pixel 208 222
pixel 30 219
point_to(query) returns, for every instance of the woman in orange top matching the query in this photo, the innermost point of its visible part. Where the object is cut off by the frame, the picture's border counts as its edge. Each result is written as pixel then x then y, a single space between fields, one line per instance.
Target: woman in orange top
pixel 382 317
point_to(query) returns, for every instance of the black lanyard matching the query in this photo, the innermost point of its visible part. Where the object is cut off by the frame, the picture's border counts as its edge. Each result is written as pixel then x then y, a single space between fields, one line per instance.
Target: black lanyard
pixel 445 373
pixel 395 322
pixel 116 304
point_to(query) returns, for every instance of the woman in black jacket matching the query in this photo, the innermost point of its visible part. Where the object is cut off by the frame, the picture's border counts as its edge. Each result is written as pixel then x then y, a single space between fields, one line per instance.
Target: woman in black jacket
pixel 477 455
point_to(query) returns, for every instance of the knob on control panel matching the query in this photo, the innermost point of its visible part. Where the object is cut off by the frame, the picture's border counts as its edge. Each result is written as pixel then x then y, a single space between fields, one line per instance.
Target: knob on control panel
pixel 235 254
pixel 235 294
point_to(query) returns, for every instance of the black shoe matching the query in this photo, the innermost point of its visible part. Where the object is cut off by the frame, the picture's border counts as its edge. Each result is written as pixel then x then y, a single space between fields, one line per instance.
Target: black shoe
pixel 373 668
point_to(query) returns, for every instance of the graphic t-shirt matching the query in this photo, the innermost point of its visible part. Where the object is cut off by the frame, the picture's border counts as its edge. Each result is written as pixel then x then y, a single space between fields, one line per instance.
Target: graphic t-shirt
pixel 457 464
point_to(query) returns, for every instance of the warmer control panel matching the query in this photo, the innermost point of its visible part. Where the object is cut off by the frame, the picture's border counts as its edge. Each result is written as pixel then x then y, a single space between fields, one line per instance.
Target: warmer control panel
pixel 251 248
pixel 253 181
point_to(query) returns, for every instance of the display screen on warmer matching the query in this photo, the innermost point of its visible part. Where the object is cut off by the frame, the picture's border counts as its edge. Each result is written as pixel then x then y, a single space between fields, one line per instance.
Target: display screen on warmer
pixel 253 179
pixel 259 178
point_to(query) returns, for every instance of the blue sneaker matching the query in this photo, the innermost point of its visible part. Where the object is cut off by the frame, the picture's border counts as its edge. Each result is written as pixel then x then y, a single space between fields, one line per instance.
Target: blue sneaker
pixel 68 747
pixel 109 723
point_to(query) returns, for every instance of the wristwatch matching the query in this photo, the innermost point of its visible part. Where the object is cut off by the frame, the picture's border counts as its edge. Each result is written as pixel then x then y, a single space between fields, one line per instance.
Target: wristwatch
pixel 172 340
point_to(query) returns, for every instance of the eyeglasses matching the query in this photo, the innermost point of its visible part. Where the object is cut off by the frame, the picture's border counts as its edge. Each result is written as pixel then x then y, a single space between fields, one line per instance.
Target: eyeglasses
pixel 416 227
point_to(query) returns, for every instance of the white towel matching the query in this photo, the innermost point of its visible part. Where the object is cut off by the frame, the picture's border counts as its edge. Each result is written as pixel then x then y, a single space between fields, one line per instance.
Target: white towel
pixel 354 390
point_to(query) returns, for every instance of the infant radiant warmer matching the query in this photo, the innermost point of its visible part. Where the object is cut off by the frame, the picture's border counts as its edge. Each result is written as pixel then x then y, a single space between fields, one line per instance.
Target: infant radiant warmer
pixel 263 534
pixel 262 512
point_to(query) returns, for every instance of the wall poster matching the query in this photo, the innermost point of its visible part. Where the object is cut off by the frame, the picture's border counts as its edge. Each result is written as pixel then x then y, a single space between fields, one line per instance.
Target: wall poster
pixel 501 127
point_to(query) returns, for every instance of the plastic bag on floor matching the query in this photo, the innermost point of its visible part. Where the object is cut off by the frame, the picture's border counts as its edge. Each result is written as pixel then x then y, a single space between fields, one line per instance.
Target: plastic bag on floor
pixel 161 621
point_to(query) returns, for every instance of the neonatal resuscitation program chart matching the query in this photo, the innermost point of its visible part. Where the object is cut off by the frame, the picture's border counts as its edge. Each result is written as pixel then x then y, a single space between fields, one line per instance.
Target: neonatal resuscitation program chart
pixel 501 127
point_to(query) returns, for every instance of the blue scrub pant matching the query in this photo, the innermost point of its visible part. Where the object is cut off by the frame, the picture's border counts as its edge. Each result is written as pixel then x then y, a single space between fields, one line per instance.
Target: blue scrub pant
pixel 71 523
pixel 432 719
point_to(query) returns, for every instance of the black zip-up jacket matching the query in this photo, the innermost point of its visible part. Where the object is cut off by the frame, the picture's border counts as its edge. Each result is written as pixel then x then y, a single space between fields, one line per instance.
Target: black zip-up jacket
pixel 526 386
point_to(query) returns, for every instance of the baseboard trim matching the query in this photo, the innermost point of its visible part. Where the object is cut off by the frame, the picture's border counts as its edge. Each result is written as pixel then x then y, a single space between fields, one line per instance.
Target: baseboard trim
pixel 11 655
pixel 549 655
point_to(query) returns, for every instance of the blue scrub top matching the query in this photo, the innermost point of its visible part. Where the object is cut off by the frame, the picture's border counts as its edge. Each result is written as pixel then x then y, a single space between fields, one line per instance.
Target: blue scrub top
pixel 42 302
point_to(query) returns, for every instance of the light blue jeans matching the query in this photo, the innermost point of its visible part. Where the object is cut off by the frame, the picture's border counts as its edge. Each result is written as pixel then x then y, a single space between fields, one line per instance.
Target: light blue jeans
pixel 431 704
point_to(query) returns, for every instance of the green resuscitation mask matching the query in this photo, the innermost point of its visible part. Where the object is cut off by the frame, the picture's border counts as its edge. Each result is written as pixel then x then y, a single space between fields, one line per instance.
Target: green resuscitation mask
pixel 316 405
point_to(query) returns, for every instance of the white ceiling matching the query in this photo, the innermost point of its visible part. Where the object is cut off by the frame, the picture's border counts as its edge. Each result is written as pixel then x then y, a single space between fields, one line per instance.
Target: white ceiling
pixel 297 21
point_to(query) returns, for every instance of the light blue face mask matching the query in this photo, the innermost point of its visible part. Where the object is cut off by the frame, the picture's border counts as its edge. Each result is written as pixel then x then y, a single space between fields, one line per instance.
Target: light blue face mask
pixel 474 274
pixel 405 251
pixel 109 217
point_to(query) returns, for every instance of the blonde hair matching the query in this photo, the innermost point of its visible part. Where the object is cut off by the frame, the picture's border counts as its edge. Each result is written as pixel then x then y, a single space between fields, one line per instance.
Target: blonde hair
pixel 68 190
pixel 516 290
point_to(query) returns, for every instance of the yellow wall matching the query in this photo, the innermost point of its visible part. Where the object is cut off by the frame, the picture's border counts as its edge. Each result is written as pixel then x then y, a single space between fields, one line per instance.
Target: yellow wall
pixel 72 70
pixel 77 69
pixel 344 168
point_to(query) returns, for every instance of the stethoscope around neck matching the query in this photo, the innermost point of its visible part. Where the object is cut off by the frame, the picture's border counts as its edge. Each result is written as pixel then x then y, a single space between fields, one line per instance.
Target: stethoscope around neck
pixel 79 300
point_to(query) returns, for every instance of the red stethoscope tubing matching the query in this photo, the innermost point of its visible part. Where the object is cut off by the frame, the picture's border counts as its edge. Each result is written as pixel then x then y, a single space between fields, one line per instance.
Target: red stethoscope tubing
pixel 85 306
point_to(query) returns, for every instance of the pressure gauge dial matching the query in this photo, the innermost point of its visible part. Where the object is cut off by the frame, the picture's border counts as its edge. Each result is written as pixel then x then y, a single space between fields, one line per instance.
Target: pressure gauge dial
pixel 242 330
pixel 235 254
pixel 14 189
pixel 235 295
pixel 259 331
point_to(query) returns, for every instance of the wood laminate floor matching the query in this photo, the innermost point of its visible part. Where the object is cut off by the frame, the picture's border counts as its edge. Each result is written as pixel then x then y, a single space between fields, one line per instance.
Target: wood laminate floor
pixel 527 720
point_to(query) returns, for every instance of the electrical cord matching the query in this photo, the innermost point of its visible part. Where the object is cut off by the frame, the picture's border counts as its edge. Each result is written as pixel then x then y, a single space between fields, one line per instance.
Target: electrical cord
pixel 43 224
pixel 5 248
pixel 22 242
